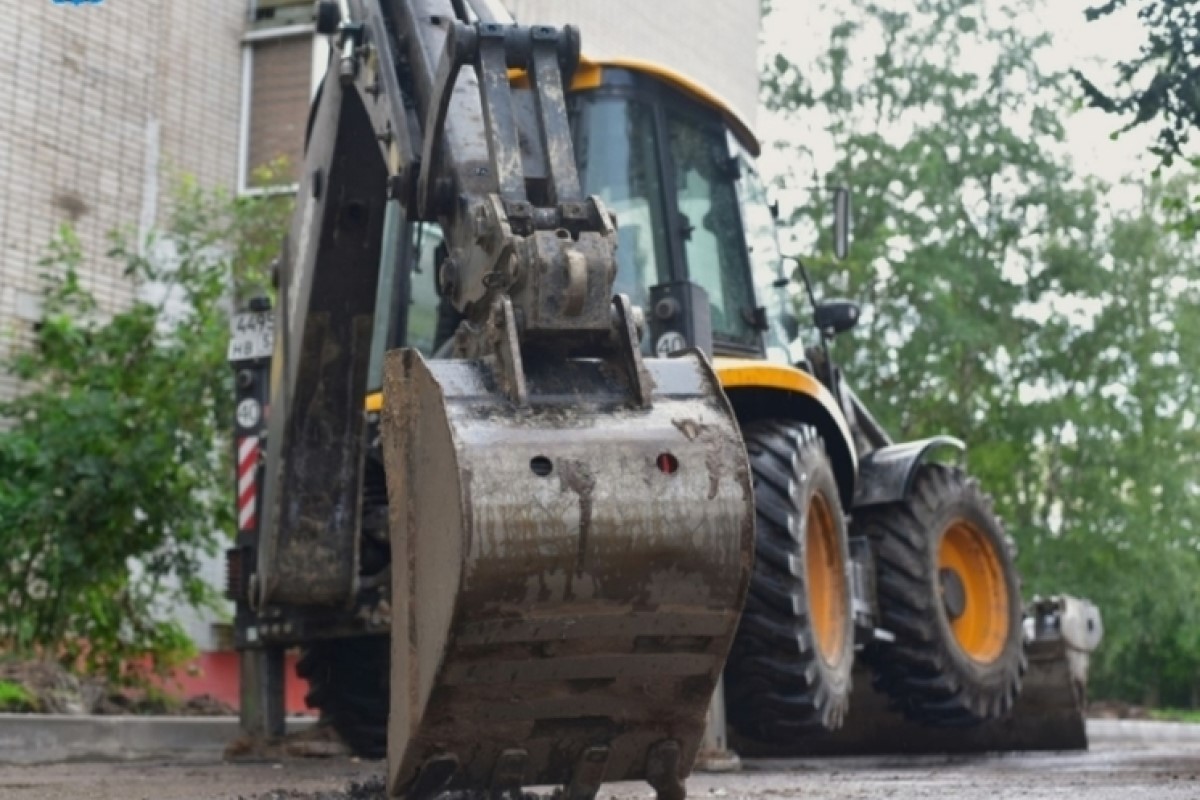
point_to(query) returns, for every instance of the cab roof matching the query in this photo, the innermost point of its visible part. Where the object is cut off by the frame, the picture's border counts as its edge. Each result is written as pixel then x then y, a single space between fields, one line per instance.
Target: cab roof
pixel 590 75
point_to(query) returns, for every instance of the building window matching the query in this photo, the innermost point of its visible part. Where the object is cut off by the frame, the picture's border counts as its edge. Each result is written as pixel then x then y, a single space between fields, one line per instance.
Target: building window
pixel 280 58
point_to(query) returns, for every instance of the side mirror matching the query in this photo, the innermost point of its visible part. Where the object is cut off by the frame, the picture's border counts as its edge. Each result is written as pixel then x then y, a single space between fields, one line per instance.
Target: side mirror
pixel 841 222
pixel 835 316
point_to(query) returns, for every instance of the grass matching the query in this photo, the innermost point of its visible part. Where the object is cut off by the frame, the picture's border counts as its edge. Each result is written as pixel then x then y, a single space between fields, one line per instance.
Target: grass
pixel 15 697
pixel 1175 714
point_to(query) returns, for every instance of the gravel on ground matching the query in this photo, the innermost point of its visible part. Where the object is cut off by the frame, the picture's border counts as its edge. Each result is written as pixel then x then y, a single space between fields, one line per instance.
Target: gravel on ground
pixel 1111 771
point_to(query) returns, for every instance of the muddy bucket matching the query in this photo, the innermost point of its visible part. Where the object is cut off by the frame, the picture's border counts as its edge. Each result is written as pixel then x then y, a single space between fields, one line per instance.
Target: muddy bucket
pixel 568 573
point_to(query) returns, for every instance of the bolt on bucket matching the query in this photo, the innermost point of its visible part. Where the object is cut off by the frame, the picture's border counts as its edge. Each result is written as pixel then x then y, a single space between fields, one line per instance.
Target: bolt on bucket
pixel 568 573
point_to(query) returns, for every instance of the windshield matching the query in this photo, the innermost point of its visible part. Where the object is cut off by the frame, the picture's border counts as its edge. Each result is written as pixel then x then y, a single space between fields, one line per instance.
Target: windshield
pixel 616 149
pixel 422 322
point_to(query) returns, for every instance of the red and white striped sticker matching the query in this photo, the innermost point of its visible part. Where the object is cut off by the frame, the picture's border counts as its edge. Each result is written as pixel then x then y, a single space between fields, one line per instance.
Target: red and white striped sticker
pixel 247 469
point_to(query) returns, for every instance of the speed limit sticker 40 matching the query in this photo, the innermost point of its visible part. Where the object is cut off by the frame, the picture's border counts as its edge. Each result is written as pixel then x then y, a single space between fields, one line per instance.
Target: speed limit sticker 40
pixel 249 412
pixel 668 343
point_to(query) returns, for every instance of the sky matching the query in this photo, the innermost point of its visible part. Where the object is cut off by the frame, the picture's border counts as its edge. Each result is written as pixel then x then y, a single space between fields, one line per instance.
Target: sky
pixel 1098 44
pixel 797 27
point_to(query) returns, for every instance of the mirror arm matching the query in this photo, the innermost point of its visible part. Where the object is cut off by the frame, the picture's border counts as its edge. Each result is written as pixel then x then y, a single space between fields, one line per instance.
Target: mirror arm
pixel 812 298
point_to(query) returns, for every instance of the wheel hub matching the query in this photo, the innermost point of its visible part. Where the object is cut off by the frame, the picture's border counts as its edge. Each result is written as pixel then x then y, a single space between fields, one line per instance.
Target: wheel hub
pixel 826 579
pixel 954 594
pixel 974 594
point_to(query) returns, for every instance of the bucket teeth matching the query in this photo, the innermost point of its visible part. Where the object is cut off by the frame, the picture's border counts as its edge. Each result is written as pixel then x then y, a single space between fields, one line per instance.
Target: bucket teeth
pixel 588 774
pixel 435 776
pixel 662 771
pixel 509 775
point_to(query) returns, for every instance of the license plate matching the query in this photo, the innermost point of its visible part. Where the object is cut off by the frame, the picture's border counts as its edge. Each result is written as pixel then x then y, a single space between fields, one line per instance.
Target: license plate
pixel 251 336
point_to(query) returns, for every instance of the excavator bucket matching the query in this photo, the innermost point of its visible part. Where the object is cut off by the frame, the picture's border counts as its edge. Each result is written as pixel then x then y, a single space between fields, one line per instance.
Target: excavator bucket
pixel 1049 714
pixel 568 572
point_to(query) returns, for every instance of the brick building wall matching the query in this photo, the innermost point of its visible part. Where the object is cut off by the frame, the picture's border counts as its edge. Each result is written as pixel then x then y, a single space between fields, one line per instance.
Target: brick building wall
pixel 103 104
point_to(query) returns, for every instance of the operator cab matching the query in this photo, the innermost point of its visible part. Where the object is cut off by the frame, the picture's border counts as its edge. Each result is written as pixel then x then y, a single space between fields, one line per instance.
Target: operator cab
pixel 697 249
pixel 696 245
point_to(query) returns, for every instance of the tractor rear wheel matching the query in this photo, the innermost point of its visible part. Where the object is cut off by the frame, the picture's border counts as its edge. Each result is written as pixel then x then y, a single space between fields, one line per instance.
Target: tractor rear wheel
pixel 948 590
pixel 348 684
pixel 789 669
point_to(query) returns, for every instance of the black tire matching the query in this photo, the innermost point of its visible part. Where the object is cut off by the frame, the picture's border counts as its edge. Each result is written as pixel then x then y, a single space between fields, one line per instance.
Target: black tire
pixel 931 673
pixel 784 677
pixel 348 683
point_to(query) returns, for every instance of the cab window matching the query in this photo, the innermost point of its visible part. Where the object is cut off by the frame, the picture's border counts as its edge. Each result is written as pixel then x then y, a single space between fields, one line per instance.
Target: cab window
pixel 422 292
pixel 710 225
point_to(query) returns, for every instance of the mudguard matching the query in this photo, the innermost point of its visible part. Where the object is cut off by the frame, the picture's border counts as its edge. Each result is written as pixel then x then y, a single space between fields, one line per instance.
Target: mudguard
pixel 886 475
pixel 760 389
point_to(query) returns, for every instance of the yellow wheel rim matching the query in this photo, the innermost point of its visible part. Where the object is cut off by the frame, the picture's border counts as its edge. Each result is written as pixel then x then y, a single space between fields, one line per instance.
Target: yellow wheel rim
pixel 826 580
pixel 974 592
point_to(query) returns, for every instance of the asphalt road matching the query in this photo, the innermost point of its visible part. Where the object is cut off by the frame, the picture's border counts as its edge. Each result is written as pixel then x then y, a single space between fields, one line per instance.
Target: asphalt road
pixel 1111 771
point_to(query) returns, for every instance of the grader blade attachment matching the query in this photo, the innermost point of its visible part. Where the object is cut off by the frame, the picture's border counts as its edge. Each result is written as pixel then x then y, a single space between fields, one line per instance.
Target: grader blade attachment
pixel 568 571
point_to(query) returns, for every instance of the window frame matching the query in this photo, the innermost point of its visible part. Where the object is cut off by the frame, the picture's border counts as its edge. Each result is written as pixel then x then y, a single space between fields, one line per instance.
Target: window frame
pixel 320 58
pixel 635 87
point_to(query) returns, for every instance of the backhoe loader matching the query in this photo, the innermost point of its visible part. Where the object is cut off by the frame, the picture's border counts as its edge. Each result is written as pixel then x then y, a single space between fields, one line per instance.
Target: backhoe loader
pixel 545 458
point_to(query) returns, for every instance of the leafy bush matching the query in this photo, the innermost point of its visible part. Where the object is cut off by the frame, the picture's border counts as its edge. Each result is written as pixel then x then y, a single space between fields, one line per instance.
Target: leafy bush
pixel 115 462
pixel 15 697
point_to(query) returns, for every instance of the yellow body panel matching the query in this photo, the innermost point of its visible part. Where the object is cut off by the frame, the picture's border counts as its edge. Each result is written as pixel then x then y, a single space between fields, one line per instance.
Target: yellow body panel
pixel 744 373
pixel 590 74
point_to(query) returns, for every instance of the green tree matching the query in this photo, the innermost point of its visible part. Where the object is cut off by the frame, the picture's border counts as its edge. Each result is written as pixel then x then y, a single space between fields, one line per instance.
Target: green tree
pixel 955 176
pixel 1159 85
pixel 116 476
pixel 1006 303
pixel 1123 475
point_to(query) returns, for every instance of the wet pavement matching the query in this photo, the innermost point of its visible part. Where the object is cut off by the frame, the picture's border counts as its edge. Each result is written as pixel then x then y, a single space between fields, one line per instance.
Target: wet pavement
pixel 1111 771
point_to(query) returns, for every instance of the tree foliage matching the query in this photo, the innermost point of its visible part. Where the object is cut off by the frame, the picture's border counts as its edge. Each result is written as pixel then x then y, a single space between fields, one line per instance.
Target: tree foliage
pixel 1161 85
pixel 115 460
pixel 1126 474
pixel 1005 302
